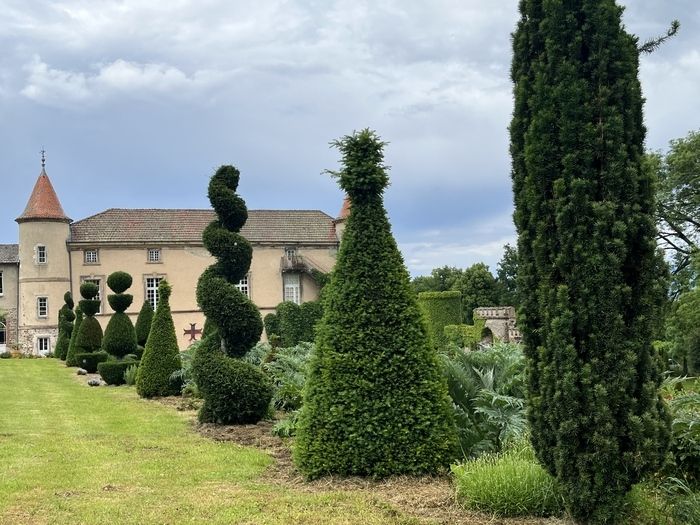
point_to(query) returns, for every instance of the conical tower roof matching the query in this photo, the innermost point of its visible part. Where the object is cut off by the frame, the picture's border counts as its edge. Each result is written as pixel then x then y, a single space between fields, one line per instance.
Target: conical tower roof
pixel 43 205
pixel 345 210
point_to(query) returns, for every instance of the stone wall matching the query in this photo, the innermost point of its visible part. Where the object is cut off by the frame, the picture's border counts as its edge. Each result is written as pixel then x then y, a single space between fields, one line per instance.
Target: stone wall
pixel 28 337
pixel 501 321
pixel 10 327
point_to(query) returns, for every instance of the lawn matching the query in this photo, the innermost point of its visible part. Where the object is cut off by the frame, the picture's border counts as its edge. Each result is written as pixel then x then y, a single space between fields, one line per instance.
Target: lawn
pixel 74 454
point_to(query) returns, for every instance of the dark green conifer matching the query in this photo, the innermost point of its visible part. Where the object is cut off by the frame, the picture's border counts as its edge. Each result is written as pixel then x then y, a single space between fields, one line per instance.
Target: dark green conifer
pixel 70 356
pixel 143 323
pixel 375 401
pixel 120 337
pixel 161 357
pixel 234 391
pixel 66 316
pixel 587 261
pixel 89 338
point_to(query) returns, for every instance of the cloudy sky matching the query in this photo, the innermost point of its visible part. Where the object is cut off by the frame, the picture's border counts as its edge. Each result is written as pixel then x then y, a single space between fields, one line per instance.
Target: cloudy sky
pixel 138 101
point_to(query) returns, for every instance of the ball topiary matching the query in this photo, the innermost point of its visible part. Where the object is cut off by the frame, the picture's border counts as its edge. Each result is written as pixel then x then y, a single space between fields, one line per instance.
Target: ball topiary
pixel 120 336
pixel 233 391
pixel 161 357
pixel 70 356
pixel 375 400
pixel 143 323
pixel 89 338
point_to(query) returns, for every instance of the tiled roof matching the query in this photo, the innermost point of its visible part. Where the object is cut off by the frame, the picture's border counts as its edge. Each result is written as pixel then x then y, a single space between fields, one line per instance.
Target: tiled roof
pixel 9 253
pixel 345 210
pixel 43 203
pixel 118 225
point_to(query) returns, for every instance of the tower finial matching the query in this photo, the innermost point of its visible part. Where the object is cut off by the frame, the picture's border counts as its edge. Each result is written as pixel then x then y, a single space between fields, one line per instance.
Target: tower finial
pixel 43 158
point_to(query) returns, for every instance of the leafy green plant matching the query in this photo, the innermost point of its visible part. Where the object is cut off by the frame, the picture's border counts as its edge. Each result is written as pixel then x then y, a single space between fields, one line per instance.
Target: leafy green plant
pixel 113 372
pixel 183 376
pixel 287 427
pixel 130 374
pixel 509 483
pixel 287 368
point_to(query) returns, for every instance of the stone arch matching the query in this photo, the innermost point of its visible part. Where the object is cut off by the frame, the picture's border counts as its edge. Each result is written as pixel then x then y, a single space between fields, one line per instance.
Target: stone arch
pixel 486 338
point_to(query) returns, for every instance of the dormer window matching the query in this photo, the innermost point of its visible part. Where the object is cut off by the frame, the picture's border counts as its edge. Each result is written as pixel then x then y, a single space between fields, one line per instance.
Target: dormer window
pixel 154 255
pixel 41 254
pixel 91 256
pixel 290 253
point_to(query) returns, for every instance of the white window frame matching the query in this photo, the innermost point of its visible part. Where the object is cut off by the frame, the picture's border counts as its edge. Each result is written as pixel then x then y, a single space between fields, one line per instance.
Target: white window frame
pixel 153 255
pixel 89 253
pixel 290 252
pixel 98 282
pixel 2 284
pixel 291 290
pixel 41 256
pixel 151 294
pixel 45 307
pixel 47 340
pixel 244 286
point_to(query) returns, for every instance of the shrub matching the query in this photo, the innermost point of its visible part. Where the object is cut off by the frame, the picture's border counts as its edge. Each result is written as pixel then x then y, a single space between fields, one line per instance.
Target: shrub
pixel 440 309
pixel 234 391
pixel 286 427
pixel 5 355
pixel 120 336
pixel 90 360
pixel 89 338
pixel 65 326
pixel 72 350
pixel 291 323
pixel 311 314
pixel 272 325
pixel 465 335
pixel 183 377
pixel 510 483
pixel 113 371
pixel 161 356
pixel 287 368
pixel 143 323
pixel 375 402
pixel 130 374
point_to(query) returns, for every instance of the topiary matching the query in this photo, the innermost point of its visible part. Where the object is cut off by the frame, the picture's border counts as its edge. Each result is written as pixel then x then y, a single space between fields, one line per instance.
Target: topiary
pixel 311 313
pixel 161 357
pixel 234 391
pixel 120 336
pixel 113 371
pixel 375 401
pixel 440 309
pixel 66 316
pixel 90 360
pixel 143 323
pixel 290 321
pixel 272 325
pixel 70 356
pixel 89 338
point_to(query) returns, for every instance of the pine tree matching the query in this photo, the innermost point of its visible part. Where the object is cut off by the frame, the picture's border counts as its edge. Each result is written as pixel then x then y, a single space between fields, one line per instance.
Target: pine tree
pixel 375 401
pixel 161 357
pixel 234 391
pixel 587 261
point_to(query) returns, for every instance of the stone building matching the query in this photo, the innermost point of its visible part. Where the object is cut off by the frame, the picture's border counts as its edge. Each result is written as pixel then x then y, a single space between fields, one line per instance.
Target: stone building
pixel 500 323
pixel 55 255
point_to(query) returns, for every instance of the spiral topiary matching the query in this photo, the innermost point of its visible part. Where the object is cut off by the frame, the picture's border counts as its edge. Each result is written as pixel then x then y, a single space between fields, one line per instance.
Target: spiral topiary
pixel 234 391
pixel 120 337
pixel 161 357
pixel 66 316
pixel 70 356
pixel 89 338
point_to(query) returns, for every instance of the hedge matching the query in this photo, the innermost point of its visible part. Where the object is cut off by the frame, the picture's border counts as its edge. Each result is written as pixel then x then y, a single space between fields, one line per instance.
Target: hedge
pixel 439 310
pixel 90 360
pixel 465 335
pixel 113 371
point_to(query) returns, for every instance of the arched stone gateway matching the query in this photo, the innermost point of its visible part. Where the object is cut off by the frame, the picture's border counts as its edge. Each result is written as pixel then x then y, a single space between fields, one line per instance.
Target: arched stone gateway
pixel 500 322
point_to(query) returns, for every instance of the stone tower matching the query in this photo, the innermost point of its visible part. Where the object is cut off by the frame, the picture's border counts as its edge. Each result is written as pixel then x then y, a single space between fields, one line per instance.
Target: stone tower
pixel 44 272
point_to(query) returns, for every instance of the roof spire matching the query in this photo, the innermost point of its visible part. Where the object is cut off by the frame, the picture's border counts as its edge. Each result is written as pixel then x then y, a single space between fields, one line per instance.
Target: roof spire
pixel 43 158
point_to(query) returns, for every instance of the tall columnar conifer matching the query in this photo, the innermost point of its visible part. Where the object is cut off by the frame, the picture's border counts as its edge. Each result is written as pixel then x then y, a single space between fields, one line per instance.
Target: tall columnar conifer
pixel 234 391
pixel 66 316
pixel 161 357
pixel 143 323
pixel 70 356
pixel 375 401
pixel 587 264
pixel 120 337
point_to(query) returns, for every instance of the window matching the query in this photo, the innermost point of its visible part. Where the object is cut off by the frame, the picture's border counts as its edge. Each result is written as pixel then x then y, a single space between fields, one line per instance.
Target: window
pixel 1 283
pixel 90 257
pixel 99 290
pixel 292 287
pixel 42 345
pixel 152 290
pixel 41 254
pixel 244 287
pixel 153 255
pixel 42 307
pixel 3 333
pixel 290 253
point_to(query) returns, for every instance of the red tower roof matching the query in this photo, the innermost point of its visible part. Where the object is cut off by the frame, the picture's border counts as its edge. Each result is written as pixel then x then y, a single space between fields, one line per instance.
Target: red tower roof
pixel 345 210
pixel 43 205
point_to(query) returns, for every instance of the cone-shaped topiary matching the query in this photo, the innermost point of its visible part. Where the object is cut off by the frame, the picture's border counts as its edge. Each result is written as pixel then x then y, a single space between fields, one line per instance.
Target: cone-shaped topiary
pixel 71 355
pixel 588 273
pixel 89 338
pixel 161 356
pixel 143 323
pixel 375 401
pixel 234 391
pixel 120 337
pixel 66 316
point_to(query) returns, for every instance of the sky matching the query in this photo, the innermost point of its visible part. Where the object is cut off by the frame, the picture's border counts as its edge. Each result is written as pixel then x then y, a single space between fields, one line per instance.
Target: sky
pixel 136 103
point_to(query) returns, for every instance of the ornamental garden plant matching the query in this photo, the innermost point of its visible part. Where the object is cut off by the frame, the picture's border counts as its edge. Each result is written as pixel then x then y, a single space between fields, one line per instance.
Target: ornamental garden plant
pixel 66 316
pixel 143 325
pixel 234 390
pixel 70 356
pixel 375 401
pixel 89 338
pixel 161 357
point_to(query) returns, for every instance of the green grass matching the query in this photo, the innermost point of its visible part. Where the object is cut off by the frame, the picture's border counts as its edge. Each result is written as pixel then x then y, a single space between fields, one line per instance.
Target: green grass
pixel 74 454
